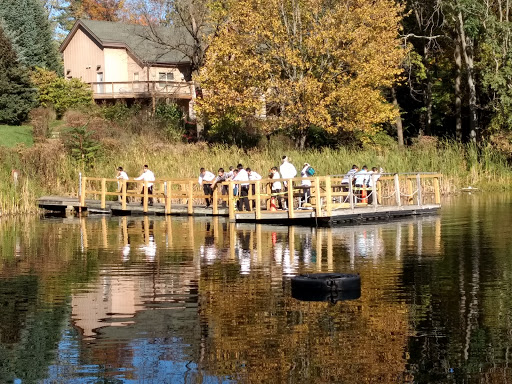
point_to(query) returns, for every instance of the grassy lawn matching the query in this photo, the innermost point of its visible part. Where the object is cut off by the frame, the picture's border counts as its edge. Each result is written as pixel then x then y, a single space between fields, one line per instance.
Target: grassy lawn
pixel 12 135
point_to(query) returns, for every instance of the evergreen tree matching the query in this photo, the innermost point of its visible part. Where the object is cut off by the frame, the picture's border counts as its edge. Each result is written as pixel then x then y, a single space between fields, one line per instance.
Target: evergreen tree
pixel 17 97
pixel 26 23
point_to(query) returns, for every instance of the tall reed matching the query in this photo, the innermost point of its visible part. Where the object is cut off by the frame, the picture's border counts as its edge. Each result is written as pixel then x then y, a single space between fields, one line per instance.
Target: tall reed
pixel 48 169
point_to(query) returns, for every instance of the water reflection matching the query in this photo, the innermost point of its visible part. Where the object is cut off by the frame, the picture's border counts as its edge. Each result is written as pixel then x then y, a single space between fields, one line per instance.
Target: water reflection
pixel 175 299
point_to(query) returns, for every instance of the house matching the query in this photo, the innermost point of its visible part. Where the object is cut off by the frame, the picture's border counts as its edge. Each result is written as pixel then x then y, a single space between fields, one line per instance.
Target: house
pixel 124 62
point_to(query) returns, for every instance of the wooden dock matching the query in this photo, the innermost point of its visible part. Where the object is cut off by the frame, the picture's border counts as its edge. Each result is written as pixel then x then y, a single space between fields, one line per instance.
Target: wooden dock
pixel 330 202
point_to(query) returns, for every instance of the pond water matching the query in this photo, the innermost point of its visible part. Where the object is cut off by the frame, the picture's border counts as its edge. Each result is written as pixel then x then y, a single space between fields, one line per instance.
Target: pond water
pixel 200 300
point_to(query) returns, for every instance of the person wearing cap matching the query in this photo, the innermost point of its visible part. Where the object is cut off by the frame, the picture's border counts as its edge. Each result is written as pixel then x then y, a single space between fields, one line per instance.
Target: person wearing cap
pixel 148 176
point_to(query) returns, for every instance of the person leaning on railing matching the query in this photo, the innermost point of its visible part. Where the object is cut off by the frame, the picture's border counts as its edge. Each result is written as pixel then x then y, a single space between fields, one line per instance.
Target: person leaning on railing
pixel 221 177
pixel 205 179
pixel 148 176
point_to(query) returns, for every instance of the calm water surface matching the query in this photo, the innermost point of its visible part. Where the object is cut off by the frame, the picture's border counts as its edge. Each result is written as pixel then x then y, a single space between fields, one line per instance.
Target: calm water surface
pixel 183 300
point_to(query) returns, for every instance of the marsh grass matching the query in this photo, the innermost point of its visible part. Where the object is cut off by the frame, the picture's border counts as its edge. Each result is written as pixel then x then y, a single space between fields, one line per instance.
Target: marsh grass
pixel 46 168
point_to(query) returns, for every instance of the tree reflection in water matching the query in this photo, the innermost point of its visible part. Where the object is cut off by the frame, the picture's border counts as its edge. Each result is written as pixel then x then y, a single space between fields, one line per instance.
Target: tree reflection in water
pixel 197 300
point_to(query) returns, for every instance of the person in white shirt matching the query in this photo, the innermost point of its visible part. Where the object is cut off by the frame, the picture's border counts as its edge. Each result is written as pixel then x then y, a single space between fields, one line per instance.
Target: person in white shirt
pixel 148 176
pixel 361 180
pixel 374 176
pixel 361 177
pixel 205 179
pixel 230 175
pixel 121 175
pixel 276 186
pixel 253 175
pixel 346 179
pixel 242 175
pixel 306 183
pixel 287 171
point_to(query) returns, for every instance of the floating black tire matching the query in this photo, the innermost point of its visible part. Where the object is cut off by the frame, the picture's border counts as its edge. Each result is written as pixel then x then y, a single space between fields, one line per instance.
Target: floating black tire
pixel 326 282
pixel 330 296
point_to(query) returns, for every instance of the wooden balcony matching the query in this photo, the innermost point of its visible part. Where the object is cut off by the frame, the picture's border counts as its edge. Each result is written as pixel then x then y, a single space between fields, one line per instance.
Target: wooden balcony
pixel 112 90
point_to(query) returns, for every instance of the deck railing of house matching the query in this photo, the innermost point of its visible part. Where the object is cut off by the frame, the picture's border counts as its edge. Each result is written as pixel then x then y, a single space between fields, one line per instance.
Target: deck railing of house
pixel 125 89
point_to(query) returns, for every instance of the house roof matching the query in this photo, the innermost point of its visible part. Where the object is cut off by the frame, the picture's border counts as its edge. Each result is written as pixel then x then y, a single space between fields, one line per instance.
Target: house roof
pixel 149 45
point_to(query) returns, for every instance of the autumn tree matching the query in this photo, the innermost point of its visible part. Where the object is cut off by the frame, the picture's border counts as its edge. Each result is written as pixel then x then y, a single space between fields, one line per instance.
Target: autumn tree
pixel 319 62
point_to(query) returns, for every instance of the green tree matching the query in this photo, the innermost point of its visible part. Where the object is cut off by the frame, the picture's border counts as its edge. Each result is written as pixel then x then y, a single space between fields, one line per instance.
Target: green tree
pixel 27 25
pixel 17 97
pixel 59 93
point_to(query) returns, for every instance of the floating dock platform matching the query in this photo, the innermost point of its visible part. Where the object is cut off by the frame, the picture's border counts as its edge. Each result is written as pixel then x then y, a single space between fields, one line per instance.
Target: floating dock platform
pixel 329 202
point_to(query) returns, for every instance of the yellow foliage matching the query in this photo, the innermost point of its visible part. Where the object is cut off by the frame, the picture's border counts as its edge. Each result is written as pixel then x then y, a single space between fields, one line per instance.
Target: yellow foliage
pixel 314 62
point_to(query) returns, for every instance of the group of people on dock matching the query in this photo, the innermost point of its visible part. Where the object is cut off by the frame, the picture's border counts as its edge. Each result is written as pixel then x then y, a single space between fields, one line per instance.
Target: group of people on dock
pixel 243 175
pixel 360 179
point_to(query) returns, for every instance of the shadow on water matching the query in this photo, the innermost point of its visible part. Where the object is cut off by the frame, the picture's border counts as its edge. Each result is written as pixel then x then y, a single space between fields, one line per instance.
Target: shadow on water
pixel 178 299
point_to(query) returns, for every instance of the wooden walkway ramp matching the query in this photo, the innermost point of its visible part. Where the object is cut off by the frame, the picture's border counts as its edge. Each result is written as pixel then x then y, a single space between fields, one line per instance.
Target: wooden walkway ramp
pixel 328 202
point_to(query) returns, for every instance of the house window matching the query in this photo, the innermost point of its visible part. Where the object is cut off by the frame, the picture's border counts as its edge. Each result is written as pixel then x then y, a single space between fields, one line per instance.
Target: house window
pixel 136 76
pixel 164 77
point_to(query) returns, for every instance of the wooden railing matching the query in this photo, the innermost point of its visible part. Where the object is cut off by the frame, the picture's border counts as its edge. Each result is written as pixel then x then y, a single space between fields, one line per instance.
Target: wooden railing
pixel 119 89
pixel 327 193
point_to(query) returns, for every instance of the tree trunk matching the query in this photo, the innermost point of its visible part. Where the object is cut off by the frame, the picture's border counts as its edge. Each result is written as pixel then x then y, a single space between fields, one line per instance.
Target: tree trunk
pixel 467 50
pixel 427 96
pixel 301 140
pixel 398 119
pixel 458 90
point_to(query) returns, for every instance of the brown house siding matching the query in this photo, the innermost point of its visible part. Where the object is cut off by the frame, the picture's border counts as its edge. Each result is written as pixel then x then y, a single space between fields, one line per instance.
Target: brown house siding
pixel 83 46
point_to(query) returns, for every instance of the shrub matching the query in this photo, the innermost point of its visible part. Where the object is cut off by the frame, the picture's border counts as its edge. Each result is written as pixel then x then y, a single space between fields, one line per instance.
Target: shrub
pixel 40 118
pixel 119 112
pixel 60 93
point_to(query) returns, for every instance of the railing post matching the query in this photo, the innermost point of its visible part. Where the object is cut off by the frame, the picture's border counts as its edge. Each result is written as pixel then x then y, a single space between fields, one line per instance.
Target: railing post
pixel 437 191
pixel 420 194
pixel 351 192
pixel 123 194
pixel 374 191
pixel 231 202
pixel 167 191
pixel 318 211
pixel 82 194
pixel 409 191
pixel 190 206
pixel 215 198
pixel 397 190
pixel 250 196
pixel 328 196
pixel 145 198
pixel 291 212
pixel 103 190
pixel 378 187
pixel 269 193
pixel 258 199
